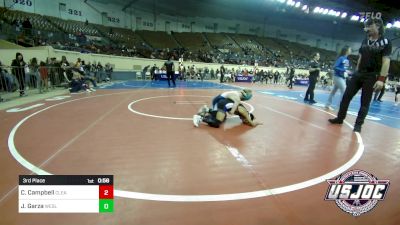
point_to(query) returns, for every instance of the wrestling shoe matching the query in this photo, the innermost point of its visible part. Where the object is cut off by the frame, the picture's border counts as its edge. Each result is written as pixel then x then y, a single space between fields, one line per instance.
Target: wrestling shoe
pixel 196 120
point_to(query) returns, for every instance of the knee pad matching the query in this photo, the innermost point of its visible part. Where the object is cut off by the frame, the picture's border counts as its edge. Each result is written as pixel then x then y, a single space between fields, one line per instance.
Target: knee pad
pixel 220 115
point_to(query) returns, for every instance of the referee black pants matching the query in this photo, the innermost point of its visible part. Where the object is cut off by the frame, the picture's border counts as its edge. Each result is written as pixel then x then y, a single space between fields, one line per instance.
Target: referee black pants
pixel 310 90
pixel 290 82
pixel 171 76
pixel 364 81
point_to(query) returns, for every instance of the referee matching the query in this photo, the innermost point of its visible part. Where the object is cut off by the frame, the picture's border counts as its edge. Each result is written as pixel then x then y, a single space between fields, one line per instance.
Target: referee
pixel 170 68
pixel 372 68
pixel 314 70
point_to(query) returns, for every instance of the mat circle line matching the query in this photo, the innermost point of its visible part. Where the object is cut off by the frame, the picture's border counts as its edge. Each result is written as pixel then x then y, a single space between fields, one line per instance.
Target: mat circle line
pixel 190 198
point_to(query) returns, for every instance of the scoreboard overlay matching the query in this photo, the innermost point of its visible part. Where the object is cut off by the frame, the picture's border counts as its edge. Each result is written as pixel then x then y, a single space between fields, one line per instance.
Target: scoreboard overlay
pixel 66 194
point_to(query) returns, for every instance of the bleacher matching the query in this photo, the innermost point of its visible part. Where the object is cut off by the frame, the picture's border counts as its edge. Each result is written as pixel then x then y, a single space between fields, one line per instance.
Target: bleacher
pixel 247 47
pixel 158 39
pixel 192 41
pixel 248 42
pixel 119 35
pixel 271 45
pixel 38 22
pixel 74 27
pixel 123 36
pixel 222 41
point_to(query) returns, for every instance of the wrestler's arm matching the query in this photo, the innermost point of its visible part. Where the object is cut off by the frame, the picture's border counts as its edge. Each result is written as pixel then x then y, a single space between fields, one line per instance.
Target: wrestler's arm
pixel 236 101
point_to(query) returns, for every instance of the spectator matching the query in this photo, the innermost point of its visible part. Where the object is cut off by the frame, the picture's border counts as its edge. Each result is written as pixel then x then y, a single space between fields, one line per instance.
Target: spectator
pixel 144 71
pixel 100 72
pixel 276 77
pixel 65 69
pixel 44 74
pixel 84 71
pixel 18 25
pixel 291 77
pixel 18 69
pixel 27 26
pixel 33 75
pixel 7 81
pixel 182 72
pixel 341 70
pixel 222 71
pixel 108 71
pixel 53 68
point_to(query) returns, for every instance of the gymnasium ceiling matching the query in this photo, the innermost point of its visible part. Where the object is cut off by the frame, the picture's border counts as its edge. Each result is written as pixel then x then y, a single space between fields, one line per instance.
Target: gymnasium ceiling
pixel 271 12
pixel 255 8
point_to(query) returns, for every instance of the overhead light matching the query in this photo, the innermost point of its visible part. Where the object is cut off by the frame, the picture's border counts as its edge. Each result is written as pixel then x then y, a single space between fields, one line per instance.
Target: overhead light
pixel 389 25
pixel 337 14
pixel 325 11
pixel 331 12
pixel 316 10
pixel 321 10
pixel 354 18
pixel 362 20
pixel 289 2
pixel 282 1
pixel 304 7
pixel 396 24
pixel 297 5
pixel 343 15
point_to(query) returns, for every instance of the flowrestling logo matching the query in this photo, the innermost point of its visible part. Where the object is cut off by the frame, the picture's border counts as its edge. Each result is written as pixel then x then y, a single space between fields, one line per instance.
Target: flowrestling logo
pixel 356 191
pixel 372 15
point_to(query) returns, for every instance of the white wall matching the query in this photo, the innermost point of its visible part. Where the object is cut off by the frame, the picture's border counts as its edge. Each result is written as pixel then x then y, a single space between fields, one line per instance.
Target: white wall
pixel 120 63
pixel 146 19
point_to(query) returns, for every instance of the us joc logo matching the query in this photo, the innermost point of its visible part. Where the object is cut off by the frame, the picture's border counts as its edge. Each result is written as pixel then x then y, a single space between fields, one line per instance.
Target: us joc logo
pixel 356 191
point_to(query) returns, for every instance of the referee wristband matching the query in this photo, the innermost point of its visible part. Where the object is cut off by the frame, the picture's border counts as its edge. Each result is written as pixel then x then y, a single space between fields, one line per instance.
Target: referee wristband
pixel 382 78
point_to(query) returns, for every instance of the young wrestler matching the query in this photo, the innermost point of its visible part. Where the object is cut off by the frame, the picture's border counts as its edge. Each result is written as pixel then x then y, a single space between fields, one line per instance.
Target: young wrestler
pixel 214 117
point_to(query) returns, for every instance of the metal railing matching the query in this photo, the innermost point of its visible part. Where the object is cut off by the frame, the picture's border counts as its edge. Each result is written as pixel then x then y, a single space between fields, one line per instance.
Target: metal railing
pixel 40 79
